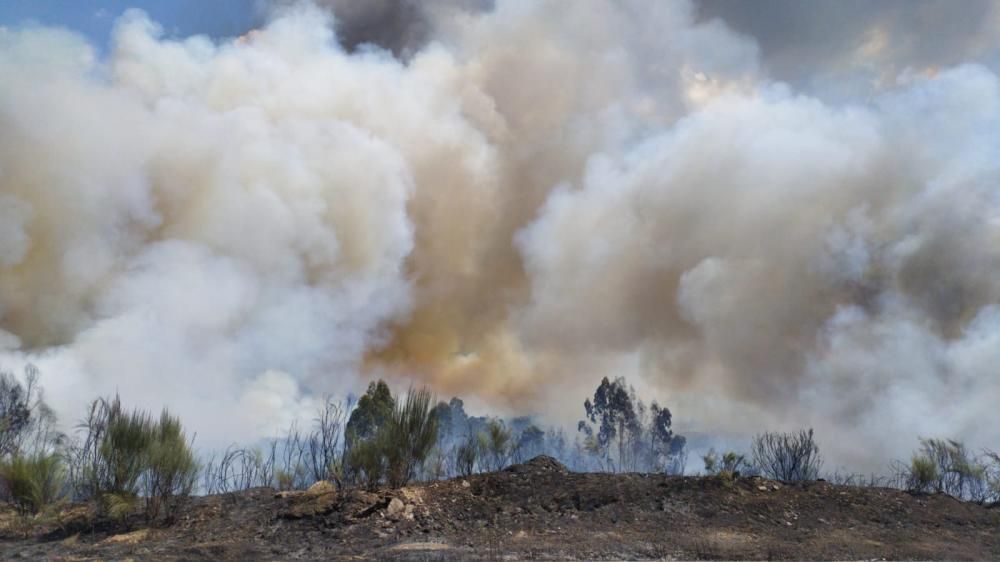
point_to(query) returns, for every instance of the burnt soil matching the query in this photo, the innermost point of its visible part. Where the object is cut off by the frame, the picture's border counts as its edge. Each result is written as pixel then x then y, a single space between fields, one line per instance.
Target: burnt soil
pixel 533 511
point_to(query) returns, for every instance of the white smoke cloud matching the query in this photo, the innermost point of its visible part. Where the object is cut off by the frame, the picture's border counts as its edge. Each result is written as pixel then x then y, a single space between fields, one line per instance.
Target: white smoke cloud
pixel 529 198
pixel 184 229
pixel 834 264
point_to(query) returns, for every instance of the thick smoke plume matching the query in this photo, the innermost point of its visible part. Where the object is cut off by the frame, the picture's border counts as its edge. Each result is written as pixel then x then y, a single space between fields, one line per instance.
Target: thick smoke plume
pixel 506 200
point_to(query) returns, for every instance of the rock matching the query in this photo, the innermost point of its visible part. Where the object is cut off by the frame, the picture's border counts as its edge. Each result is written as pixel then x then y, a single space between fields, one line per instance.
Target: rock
pixel 412 495
pixel 134 537
pixel 317 500
pixel 395 508
pixel 465 484
pixel 321 487
pixel 762 488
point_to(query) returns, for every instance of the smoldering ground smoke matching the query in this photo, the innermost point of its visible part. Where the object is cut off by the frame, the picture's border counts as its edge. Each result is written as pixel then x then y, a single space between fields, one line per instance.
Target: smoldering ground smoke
pixel 509 201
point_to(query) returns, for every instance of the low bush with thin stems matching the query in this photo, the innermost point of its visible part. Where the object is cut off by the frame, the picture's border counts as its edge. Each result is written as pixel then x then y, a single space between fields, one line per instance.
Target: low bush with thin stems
pixel 33 482
pixel 787 456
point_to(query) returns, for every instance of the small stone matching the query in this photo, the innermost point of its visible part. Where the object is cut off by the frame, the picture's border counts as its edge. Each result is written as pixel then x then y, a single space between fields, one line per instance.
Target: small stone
pixel 762 488
pixel 465 484
pixel 395 508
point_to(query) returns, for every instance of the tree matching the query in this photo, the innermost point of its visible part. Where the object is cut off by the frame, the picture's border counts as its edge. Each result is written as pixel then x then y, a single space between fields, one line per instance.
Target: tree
pixel 615 414
pixel 25 420
pixel 371 413
pixel 530 443
pixel 661 437
pixel 324 442
pixel 15 412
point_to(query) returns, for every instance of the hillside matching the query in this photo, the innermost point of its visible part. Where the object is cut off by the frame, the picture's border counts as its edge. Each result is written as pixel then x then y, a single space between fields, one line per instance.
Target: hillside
pixel 537 510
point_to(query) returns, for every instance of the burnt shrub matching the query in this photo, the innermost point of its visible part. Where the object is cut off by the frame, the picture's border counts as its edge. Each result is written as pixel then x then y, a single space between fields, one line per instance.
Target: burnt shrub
pixel 789 457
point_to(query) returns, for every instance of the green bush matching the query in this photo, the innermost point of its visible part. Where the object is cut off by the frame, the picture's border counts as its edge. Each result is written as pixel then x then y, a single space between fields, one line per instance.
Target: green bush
pixel 171 469
pixel 729 464
pixel 366 463
pixel 924 475
pixel 124 451
pixel 498 444
pixel 957 471
pixel 467 454
pixel 408 437
pixel 33 482
pixel 399 446
pixel 136 459
pixel 711 460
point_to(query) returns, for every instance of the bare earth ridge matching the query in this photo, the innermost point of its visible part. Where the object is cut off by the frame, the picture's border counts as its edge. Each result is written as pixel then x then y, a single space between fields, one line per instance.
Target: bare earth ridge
pixel 535 511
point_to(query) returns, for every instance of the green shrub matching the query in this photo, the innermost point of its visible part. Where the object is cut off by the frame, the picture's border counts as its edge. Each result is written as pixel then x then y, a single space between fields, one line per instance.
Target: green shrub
pixel 498 444
pixel 729 465
pixel 33 482
pixel 366 463
pixel 130 458
pixel 435 467
pixel 124 451
pixel 119 505
pixel 285 480
pixel 171 469
pixel 408 436
pixel 711 460
pixel 923 475
pixel 466 455
pixel 957 472
pixel 399 446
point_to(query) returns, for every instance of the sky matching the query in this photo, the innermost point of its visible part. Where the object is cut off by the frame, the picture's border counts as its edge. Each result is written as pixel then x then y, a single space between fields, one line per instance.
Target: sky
pixel 814 45
pixel 767 215
pixel 96 18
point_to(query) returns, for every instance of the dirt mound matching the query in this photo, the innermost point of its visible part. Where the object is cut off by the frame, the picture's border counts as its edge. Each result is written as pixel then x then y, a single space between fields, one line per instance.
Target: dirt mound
pixel 539 464
pixel 538 510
